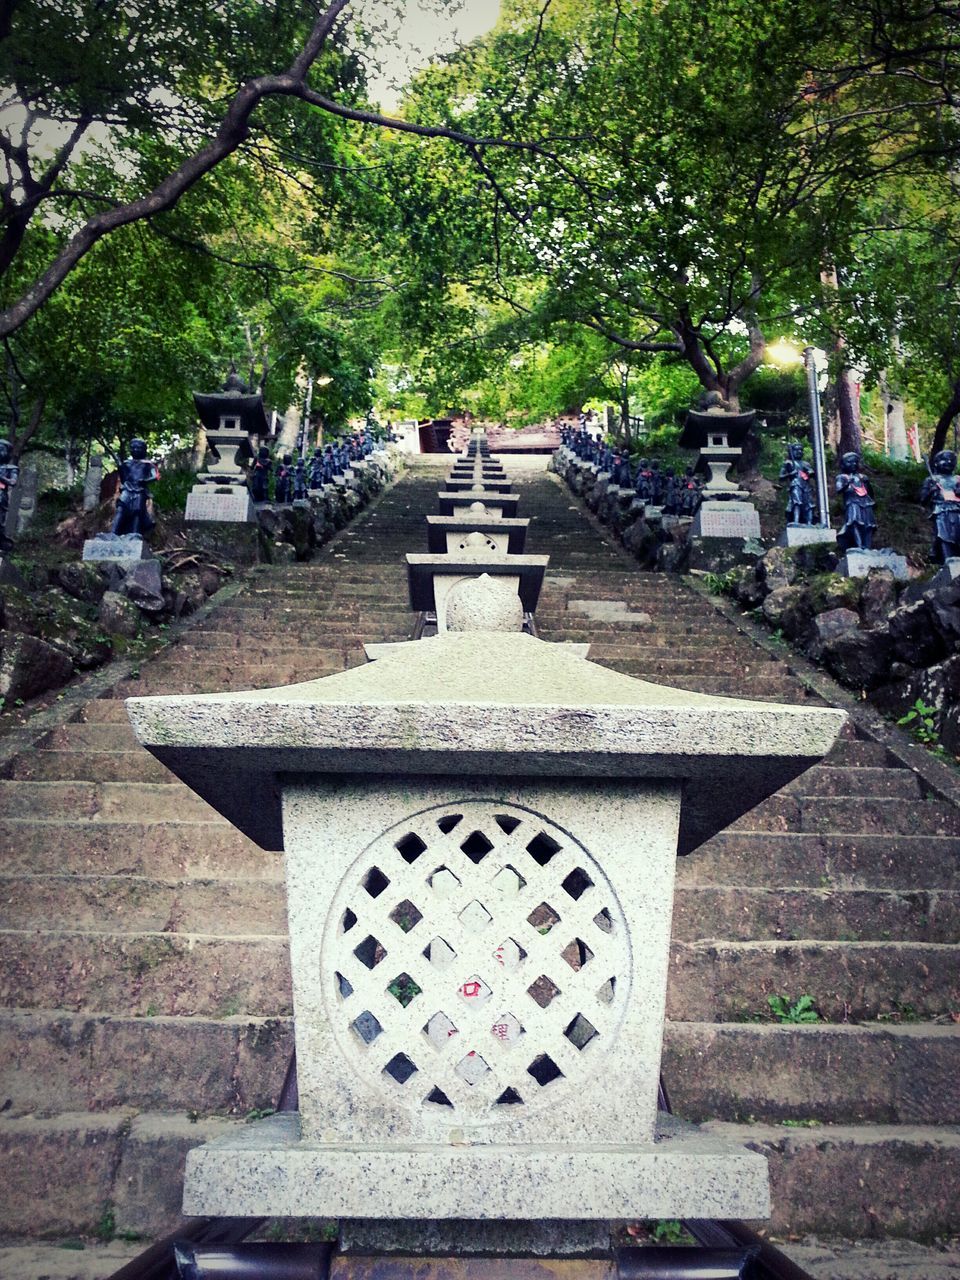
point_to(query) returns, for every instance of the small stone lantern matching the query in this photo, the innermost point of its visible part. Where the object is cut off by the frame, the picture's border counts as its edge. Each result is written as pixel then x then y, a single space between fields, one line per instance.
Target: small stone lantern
pixel 233 419
pixel 481 834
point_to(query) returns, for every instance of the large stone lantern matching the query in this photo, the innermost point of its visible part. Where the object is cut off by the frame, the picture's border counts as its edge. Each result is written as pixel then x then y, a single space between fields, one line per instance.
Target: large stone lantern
pixel 480 832
pixel 718 433
pixel 233 420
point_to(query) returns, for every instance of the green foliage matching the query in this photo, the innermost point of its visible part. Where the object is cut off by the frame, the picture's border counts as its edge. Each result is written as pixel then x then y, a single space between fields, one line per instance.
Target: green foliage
pixel 170 491
pixel 106 1227
pixel 801 1010
pixel 404 989
pixel 921 721
pixel 669 1231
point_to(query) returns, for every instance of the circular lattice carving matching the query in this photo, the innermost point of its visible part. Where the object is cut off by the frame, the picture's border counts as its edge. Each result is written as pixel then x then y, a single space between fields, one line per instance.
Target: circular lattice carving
pixel 476 962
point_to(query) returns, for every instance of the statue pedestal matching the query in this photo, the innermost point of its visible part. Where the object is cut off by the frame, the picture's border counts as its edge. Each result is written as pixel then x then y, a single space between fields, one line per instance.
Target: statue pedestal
pixel 949 573
pixel 116 548
pixel 857 563
pixel 805 535
pixel 229 504
pixel 730 519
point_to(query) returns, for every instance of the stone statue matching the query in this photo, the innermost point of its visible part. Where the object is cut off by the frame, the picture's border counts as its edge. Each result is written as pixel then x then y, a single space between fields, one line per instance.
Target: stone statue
pixel 300 480
pixel 136 474
pixel 798 473
pixel 283 490
pixel 644 481
pixel 9 476
pixel 657 484
pixel 671 494
pixel 316 469
pixel 941 492
pixel 260 475
pixel 858 504
pixel 621 470
pixel 689 499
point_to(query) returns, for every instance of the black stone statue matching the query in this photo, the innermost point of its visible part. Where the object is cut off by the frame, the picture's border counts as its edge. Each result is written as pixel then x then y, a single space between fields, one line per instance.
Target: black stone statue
pixel 690 495
pixel 799 474
pixel 658 484
pixel 283 490
pixel 9 477
pixel 136 475
pixel 260 475
pixel 941 493
pixel 316 468
pixel 300 480
pixel 858 504
pixel 671 494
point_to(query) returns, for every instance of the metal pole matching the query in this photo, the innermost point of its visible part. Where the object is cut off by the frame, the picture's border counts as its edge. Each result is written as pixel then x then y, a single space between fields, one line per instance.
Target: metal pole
pixel 306 419
pixel 816 437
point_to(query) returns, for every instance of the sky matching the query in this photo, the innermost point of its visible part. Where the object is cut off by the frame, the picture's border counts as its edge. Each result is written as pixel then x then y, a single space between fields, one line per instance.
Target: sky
pixel 422 34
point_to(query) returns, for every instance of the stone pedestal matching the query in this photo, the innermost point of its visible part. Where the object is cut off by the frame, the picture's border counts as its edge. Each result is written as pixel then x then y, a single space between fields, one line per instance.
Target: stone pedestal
pixel 805 535
pixel 113 548
pixel 480 836
pixel 92 481
pixel 857 564
pixel 230 504
pixel 731 519
pixel 948 574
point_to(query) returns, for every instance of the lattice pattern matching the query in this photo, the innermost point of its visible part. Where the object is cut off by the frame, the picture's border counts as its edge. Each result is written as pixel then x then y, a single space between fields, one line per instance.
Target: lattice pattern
pixel 478 962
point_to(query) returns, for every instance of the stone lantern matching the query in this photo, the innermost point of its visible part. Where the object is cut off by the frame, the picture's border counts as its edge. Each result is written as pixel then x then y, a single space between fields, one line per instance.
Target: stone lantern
pixel 233 420
pixel 481 832
pixel 718 432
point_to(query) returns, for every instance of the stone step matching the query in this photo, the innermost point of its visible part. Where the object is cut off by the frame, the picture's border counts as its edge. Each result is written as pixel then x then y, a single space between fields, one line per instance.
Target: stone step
pixel 834 1180
pixel 817 860
pixel 851 814
pixel 879 1073
pixel 89 1062
pixel 90 766
pixel 859 751
pixel 145 974
pixel 137 847
pixel 858 915
pixel 140 904
pixel 81 736
pixel 730 981
pixel 106 710
pixel 860 780
pixel 169 803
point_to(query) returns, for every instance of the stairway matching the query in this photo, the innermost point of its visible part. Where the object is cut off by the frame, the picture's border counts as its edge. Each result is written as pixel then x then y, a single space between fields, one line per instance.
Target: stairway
pixel 144 989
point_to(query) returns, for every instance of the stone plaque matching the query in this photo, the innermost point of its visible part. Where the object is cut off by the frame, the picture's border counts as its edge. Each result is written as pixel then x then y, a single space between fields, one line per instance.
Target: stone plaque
pixel 205 503
pixel 726 520
pixel 116 548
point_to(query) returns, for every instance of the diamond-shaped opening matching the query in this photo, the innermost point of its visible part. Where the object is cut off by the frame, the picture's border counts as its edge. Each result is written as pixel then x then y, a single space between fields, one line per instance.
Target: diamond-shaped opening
pixel 375 882
pixel 542 848
pixel 577 954
pixel 438 1029
pixel 506 822
pixel 472 1068
pixel 577 883
pixel 443 882
pixel 475 916
pixel 509 955
pixel 343 986
pixel 405 915
pixel 474 991
pixel 544 1069
pixel 607 991
pixel 438 1098
pixel 400 1068
pixel 543 918
pixel 404 989
pixel 543 992
pixel 580 1032
pixel 507 1029
pixel 370 952
pixel 366 1026
pixel 508 1098
pixel 509 882
pixel 348 921
pixel 439 953
pixel 604 921
pixel 410 847
pixel 476 846
pixel 447 823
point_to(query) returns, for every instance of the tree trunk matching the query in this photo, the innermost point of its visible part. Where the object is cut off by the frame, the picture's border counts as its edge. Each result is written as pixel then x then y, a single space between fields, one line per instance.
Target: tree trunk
pixel 895 417
pixel 945 419
pixel 848 407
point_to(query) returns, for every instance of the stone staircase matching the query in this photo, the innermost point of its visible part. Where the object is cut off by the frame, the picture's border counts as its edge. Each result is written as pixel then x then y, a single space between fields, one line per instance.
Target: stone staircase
pixel 144 989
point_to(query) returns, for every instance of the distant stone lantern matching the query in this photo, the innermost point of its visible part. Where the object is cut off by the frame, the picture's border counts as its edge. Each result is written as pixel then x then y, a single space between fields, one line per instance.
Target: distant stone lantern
pixel 481 833
pixel 234 422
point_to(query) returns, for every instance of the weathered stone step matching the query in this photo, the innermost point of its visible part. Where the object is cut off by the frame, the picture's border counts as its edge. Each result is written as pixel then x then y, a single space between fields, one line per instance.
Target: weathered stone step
pixel 108 709
pixel 857 752
pixel 187 679
pixel 85 846
pixel 90 766
pixel 730 981
pixel 140 904
pixel 83 1062
pixel 832 1180
pixel 80 736
pixel 850 815
pixel 106 802
pixel 879 1073
pixel 859 780
pixel 145 974
pixel 738 913
pixel 818 860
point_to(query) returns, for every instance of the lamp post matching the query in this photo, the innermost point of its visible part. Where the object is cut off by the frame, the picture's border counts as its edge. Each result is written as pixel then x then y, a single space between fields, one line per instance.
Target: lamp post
pixel 785 353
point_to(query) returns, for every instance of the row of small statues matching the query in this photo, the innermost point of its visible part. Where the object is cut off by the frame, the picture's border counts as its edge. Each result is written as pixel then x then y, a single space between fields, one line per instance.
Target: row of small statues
pixel 294 479
pixel 676 495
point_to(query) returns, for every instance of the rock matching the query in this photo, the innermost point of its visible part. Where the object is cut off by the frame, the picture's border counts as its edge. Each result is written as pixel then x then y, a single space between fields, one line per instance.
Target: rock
pixel 190 594
pixel 777 567
pixel 143 585
pixel 209 579
pixel 719 555
pixel 913 637
pixel 282 553
pixel 788 608
pixel 831 591
pixel 747 588
pixel 29 666
pixel 859 659
pixel 85 582
pixel 937 686
pixel 483 604
pixel 943 603
pixel 673 556
pixel 828 626
pixel 878 596
pixel 118 615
